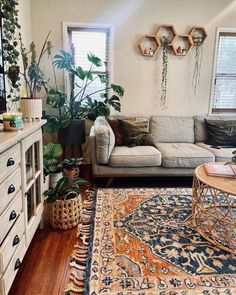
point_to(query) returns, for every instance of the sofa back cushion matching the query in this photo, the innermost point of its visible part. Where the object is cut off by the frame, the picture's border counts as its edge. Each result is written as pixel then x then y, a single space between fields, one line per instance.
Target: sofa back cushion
pixel 199 125
pixel 105 140
pixel 172 129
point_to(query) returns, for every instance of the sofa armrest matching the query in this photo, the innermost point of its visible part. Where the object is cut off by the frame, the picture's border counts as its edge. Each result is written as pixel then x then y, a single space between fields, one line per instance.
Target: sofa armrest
pixel 103 141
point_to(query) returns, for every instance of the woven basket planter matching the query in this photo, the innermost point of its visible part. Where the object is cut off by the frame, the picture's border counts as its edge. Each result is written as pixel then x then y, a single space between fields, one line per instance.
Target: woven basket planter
pixel 65 214
pixel 31 108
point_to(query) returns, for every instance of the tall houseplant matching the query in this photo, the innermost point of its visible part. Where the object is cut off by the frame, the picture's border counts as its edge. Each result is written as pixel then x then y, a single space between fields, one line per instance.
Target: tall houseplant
pixel 34 80
pixel 80 103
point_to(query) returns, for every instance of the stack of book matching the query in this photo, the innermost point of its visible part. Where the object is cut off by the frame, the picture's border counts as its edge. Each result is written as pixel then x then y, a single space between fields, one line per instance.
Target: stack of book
pixel 220 169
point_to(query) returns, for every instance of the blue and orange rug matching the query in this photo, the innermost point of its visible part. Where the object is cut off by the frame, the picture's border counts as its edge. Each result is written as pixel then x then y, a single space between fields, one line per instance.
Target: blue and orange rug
pixel 142 242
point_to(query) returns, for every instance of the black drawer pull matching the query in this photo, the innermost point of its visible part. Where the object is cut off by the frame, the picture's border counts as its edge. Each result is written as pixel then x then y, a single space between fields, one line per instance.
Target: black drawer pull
pixel 17 264
pixel 12 215
pixel 16 240
pixel 10 162
pixel 11 189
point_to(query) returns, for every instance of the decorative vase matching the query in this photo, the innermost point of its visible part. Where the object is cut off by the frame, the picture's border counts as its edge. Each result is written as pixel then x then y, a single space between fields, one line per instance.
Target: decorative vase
pixel 65 214
pixel 31 108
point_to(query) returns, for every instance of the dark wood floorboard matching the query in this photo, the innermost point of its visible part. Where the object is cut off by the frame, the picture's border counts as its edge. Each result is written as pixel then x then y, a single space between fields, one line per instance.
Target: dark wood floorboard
pixel 45 268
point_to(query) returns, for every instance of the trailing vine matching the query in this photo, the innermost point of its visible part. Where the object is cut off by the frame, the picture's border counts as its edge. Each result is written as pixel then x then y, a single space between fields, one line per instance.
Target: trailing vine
pixel 197 68
pixel 10 27
pixel 165 44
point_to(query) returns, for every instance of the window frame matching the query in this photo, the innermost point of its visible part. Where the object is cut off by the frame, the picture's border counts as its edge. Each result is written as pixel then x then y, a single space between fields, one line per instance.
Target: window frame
pixel 216 51
pixel 66 44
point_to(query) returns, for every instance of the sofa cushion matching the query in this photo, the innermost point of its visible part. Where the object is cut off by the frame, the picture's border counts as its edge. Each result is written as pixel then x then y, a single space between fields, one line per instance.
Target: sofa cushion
pixel 186 155
pixel 138 156
pixel 134 135
pixel 221 132
pixel 115 126
pixel 199 125
pixel 221 154
pixel 172 129
pixel 105 140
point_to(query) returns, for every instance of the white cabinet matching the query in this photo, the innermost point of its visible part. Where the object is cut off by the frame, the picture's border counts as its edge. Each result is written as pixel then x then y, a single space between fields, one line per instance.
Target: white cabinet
pixel 21 201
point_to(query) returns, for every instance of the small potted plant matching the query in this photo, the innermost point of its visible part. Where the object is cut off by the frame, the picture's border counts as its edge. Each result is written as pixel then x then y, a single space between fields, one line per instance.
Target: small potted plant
pixel 52 153
pixel 31 104
pixel 70 167
pixel 65 202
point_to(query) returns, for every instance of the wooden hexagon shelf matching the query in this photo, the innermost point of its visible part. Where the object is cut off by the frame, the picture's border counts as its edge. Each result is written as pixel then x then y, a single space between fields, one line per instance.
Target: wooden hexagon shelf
pixel 182 44
pixel 198 35
pixel 149 45
pixel 166 31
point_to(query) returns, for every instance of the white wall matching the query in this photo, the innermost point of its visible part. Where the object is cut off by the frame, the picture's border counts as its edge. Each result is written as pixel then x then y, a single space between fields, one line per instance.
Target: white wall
pixel 25 21
pixel 132 19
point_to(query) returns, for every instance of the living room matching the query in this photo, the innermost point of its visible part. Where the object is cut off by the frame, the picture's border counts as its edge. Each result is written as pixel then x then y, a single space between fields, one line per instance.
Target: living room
pixel 151 86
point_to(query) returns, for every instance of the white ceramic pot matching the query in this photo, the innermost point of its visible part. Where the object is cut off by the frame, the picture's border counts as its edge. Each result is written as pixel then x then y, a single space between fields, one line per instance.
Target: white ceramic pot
pixel 54 177
pixel 31 108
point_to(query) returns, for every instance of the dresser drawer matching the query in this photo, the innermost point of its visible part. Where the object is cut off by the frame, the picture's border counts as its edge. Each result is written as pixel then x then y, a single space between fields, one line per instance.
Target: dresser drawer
pixel 9 161
pixel 9 188
pixel 10 215
pixel 11 243
pixel 13 267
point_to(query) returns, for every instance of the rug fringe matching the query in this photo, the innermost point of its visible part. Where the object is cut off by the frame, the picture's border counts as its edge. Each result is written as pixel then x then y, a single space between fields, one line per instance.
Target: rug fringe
pixel 79 254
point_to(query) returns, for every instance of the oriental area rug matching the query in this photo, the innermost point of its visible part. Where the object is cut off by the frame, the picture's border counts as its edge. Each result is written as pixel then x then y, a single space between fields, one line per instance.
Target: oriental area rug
pixel 142 241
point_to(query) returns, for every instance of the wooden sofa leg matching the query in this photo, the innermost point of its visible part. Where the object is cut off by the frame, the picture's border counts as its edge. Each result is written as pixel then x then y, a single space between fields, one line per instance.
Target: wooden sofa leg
pixel 109 182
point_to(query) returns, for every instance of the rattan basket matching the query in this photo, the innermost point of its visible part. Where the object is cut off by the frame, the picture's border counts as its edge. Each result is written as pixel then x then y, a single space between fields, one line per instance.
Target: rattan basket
pixel 65 214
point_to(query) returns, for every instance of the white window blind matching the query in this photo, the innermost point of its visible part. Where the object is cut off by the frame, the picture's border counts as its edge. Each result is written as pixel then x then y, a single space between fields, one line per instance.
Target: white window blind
pixel 224 90
pixel 95 41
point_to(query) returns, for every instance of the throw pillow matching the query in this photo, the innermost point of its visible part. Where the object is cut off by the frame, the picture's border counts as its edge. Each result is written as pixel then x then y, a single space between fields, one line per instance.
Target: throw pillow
pixel 115 126
pixel 134 136
pixel 221 132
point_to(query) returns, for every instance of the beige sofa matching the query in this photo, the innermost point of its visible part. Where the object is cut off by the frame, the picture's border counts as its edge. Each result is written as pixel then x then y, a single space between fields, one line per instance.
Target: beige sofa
pixel 180 148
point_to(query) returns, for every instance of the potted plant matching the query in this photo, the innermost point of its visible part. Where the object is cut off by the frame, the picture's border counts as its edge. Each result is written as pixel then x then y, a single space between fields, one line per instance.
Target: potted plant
pixel 31 104
pixel 65 202
pixel 81 102
pixel 70 167
pixel 52 154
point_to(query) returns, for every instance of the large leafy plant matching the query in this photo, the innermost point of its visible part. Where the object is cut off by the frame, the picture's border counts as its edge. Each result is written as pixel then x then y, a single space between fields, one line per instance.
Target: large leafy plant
pixel 32 73
pixel 81 103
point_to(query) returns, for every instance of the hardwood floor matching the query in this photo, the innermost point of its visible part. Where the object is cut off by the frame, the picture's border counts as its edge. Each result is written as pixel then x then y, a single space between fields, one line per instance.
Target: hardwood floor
pixel 45 268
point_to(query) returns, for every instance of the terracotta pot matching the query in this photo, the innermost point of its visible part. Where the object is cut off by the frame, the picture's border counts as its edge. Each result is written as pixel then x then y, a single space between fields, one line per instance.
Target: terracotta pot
pixel 31 108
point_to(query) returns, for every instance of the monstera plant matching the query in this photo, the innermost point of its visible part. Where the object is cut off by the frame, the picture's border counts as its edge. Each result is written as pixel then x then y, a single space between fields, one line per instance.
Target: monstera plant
pixel 82 102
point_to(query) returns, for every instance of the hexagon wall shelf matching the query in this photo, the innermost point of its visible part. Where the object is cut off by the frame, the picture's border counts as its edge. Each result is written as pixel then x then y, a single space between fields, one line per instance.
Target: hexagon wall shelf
pixel 182 44
pixel 167 31
pixel 198 35
pixel 149 45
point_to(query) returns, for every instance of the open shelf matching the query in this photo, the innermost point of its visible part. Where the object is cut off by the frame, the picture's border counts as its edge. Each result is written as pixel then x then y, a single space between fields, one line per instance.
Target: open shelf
pixel 149 45
pixel 198 35
pixel 167 31
pixel 182 44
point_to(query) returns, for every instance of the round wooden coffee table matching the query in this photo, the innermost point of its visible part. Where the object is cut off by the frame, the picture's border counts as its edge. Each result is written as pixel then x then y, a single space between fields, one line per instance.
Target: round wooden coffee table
pixel 214 209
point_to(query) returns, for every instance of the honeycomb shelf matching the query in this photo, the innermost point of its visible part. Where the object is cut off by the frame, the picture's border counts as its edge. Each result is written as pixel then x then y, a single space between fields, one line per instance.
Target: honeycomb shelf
pixel 167 31
pixel 182 44
pixel 149 45
pixel 198 35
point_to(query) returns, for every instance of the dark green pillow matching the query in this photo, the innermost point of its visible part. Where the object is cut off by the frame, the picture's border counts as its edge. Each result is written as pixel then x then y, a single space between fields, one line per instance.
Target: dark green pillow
pixel 221 132
pixel 134 136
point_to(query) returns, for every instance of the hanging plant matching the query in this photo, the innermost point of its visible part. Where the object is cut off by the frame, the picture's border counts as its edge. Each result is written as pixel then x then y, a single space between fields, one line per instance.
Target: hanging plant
pixel 197 63
pixel 165 46
pixel 10 27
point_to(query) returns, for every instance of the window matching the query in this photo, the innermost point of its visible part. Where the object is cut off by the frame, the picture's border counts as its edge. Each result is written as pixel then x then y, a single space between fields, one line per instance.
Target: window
pixel 95 40
pixel 224 83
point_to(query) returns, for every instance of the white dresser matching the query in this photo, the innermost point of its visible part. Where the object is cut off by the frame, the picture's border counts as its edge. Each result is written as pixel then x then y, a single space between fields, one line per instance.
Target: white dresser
pixel 21 202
